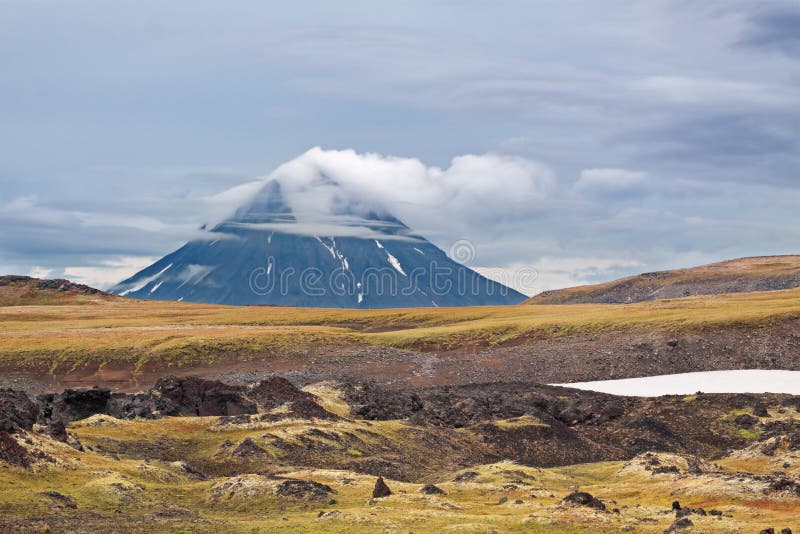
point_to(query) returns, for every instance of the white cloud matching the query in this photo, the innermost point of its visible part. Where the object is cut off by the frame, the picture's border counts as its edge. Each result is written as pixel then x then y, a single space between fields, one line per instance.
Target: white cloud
pixel 108 272
pixel 559 272
pixel 473 188
pixel 552 272
pixel 40 272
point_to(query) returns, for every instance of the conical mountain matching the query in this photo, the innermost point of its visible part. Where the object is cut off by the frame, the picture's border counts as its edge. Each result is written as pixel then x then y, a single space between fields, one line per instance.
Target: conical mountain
pixel 347 254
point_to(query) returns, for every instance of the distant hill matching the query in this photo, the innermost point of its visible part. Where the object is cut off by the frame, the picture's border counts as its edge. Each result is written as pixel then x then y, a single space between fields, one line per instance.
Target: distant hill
pixel 764 273
pixel 24 290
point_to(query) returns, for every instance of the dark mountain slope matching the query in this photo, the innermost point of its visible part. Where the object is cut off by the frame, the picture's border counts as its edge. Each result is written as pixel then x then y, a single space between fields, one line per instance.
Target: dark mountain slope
pixel 355 256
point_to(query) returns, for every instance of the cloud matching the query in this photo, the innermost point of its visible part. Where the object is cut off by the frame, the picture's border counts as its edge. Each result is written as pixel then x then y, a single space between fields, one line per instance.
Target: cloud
pixel 107 272
pixel 714 92
pixel 609 180
pixel 774 27
pixel 473 188
pixel 556 272
pixel 40 272
pixel 107 159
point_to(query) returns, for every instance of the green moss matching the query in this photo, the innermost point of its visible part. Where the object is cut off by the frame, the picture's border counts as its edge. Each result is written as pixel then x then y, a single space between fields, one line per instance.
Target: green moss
pixel 748 434
pixel 518 422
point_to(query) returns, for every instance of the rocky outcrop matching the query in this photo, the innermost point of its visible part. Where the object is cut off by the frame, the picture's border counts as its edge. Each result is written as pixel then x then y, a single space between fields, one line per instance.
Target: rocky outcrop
pixel 430 489
pixel 72 404
pixel 581 498
pixel 17 411
pixel 303 489
pixel 171 396
pixel 192 396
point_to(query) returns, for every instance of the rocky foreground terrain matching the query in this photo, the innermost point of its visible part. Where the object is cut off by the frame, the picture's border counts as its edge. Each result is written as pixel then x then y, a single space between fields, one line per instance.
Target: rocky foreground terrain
pixel 118 415
pixel 204 456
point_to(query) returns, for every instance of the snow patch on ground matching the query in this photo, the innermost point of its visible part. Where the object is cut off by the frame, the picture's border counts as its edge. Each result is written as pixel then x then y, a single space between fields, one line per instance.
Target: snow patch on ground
pixel 736 381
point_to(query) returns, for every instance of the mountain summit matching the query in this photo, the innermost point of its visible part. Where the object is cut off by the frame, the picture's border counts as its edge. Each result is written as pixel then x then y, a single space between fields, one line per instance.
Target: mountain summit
pixel 314 244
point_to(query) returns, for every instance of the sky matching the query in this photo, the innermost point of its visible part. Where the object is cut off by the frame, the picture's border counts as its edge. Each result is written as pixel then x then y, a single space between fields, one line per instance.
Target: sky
pixel 577 139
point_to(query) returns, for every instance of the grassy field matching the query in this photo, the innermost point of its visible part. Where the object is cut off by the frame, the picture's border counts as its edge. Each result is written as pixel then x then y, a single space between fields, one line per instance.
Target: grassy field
pixel 100 331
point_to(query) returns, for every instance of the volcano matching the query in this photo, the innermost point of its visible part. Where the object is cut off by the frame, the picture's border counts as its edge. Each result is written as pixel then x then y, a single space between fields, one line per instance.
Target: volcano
pixel 281 249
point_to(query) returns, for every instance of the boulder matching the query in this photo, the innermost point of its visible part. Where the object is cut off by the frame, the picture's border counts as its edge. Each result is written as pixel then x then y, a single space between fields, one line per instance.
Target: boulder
pixel 582 498
pixel 57 431
pixel 303 489
pixel 248 449
pixel 680 524
pixel 466 476
pixel 430 489
pixel 381 489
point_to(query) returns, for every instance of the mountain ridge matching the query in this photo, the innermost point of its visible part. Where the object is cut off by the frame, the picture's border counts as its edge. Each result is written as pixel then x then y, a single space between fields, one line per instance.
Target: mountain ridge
pixel 741 275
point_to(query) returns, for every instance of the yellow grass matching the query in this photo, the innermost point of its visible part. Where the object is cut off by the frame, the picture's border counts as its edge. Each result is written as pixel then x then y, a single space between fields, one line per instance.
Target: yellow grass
pixel 139 331
pixel 110 489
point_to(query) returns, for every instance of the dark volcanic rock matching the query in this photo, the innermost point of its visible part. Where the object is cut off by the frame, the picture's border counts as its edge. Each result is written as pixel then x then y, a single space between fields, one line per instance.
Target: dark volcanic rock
pixel 759 410
pixel 137 405
pixel 303 489
pixel 195 396
pixel 60 499
pixel 57 431
pixel 17 411
pixel 74 404
pixel 466 476
pixel 582 498
pixel 276 391
pixel 746 420
pixel 248 449
pixel 12 452
pixel 381 489
pixel 781 483
pixel 430 489
pixel 680 524
pixel 171 396
pixel 666 469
